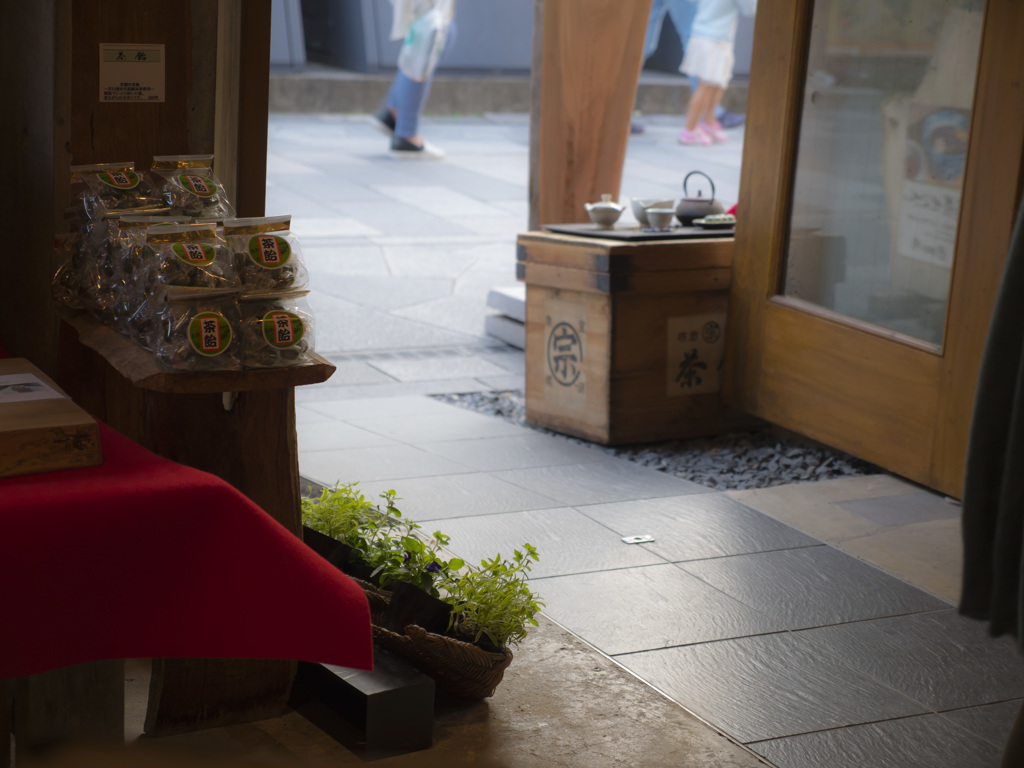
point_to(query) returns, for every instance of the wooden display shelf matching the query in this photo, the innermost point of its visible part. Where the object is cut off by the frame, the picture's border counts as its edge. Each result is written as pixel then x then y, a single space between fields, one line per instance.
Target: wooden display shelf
pixel 139 367
pixel 249 440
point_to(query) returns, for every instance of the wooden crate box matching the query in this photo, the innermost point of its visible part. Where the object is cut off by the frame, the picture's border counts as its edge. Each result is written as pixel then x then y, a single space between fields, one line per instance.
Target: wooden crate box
pixel 625 340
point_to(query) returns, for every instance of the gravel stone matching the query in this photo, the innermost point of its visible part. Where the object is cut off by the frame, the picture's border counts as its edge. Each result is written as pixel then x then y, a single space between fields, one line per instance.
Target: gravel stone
pixel 736 461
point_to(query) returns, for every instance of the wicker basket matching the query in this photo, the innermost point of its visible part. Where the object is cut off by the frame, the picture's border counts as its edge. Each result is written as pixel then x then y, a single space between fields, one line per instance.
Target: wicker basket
pixel 460 668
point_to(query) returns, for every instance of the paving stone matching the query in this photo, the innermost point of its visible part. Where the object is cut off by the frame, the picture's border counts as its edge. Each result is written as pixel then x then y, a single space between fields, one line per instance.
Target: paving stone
pixel 914 742
pixel 465 314
pixel 428 499
pixel 384 292
pixel 940 659
pixel 318 434
pixel 812 586
pixel 903 509
pixel 637 609
pixel 699 526
pixel 992 722
pixel 567 542
pixel 366 464
pixel 768 686
pixel 597 482
pixel 513 452
pixel 383 407
pixel 430 428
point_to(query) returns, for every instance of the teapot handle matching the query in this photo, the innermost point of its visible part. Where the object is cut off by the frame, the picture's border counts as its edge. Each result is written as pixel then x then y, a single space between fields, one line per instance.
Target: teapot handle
pixel 705 176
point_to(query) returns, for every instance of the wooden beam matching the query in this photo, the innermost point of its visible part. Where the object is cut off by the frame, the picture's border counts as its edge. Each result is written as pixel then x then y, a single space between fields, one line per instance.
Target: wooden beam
pixel 253 106
pixel 592 52
pixel 6 721
pixel 83 703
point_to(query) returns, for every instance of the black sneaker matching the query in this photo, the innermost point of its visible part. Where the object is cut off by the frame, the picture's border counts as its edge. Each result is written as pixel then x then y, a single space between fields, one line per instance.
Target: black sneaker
pixel 406 149
pixel 384 121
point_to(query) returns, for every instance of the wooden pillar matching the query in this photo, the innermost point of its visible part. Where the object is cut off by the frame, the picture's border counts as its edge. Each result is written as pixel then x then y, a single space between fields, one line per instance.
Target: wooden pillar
pixel 591 56
pixel 220 423
pixel 6 703
pixel 33 134
pixel 83 703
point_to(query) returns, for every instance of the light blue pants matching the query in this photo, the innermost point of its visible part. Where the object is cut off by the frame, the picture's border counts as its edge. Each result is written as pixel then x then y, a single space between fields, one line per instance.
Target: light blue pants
pixel 407 97
pixel 682 13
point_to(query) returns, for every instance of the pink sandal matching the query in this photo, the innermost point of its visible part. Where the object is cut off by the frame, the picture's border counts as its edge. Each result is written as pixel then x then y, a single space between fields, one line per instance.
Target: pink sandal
pixel 695 137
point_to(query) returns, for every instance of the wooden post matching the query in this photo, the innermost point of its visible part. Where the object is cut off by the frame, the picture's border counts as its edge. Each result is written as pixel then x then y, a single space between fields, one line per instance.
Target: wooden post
pixel 6 702
pixel 247 439
pixel 83 703
pixel 592 52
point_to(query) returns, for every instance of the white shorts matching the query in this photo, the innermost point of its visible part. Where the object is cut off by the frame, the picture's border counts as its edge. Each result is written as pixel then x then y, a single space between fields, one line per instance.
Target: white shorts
pixel 708 60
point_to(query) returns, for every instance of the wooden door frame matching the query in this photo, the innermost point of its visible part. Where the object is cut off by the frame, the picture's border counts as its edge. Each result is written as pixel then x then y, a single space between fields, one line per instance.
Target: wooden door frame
pixel 921 432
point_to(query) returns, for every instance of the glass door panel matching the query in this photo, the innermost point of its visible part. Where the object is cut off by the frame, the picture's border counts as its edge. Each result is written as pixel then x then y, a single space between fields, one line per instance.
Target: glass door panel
pixel 880 159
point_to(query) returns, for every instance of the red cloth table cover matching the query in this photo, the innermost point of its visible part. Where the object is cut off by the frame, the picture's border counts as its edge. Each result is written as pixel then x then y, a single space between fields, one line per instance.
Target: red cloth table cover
pixel 143 557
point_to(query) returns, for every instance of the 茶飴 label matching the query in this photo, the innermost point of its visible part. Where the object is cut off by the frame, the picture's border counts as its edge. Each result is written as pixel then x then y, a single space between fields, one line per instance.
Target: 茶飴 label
pixel 209 334
pixel 119 179
pixel 269 251
pixel 196 254
pixel 198 185
pixel 282 329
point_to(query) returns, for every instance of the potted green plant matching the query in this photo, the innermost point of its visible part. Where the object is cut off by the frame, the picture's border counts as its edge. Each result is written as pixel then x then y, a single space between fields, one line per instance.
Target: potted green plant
pixel 375 544
pixel 494 602
pixel 455 622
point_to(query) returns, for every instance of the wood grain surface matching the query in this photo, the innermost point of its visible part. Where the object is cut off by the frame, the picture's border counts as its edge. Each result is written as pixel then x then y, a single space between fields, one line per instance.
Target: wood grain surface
pixel 865 390
pixel 592 52
pixel 44 435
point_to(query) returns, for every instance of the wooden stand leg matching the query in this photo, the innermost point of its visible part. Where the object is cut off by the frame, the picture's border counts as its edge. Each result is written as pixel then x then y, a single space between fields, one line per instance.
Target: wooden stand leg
pixel 248 439
pixel 188 694
pixel 84 703
pixel 6 704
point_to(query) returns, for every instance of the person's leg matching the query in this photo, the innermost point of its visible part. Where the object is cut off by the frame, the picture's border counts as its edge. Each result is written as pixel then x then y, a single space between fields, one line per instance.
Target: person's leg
pixel 385 116
pixel 714 99
pixel 708 122
pixel 698 105
pixel 408 100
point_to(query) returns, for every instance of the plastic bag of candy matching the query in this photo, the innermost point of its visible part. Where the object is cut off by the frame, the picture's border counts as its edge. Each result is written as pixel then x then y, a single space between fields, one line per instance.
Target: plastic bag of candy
pixel 266 254
pixel 277 329
pixel 134 260
pixel 106 187
pixel 190 187
pixel 198 331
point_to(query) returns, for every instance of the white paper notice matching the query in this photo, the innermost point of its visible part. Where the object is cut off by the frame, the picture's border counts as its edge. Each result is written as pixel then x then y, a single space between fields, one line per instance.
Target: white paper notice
pixel 19 387
pixel 131 72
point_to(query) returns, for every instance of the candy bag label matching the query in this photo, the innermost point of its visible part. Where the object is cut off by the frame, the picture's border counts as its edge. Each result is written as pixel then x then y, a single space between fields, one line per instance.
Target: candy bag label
pixel 269 251
pixel 209 334
pixel 196 254
pixel 282 329
pixel 198 185
pixel 119 179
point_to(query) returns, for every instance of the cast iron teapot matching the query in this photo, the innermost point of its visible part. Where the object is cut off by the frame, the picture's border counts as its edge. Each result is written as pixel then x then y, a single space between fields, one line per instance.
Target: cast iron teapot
pixel 690 208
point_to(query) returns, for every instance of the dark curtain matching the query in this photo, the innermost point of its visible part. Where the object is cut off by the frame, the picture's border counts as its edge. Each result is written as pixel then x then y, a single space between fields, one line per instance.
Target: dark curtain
pixel 993 501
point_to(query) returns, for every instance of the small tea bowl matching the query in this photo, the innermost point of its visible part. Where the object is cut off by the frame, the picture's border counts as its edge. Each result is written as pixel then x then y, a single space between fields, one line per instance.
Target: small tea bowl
pixel 660 218
pixel 640 206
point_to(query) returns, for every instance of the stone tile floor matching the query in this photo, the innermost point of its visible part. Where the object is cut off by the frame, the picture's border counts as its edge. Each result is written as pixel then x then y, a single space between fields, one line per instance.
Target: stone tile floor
pixel 759 624
pixel 812 623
